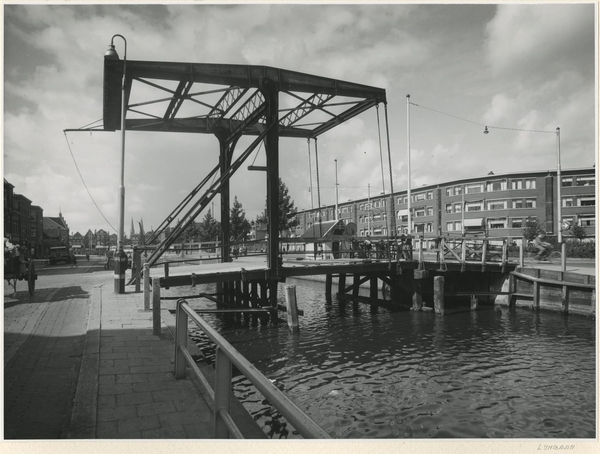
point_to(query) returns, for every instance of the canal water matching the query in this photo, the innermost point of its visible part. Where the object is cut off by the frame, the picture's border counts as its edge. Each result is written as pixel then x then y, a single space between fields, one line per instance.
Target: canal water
pixel 493 373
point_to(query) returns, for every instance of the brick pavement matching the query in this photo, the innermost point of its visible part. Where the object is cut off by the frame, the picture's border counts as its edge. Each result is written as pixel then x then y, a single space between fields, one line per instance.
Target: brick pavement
pixel 82 362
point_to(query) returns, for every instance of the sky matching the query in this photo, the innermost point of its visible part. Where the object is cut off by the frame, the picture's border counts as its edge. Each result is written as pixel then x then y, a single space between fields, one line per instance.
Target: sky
pixel 520 68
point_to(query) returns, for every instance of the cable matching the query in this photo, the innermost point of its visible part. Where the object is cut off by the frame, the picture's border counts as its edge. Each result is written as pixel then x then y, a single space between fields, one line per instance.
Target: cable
pixel 82 180
pixel 481 124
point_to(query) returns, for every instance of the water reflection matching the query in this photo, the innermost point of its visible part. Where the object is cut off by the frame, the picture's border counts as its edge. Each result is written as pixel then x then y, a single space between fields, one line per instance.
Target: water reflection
pixel 493 373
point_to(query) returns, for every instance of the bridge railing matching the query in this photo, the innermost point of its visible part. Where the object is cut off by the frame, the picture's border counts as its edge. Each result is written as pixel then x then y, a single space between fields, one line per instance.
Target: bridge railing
pixel 226 357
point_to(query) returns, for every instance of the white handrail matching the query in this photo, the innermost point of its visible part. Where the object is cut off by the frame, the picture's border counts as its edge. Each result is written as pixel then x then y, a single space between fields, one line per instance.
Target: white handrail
pixel 226 357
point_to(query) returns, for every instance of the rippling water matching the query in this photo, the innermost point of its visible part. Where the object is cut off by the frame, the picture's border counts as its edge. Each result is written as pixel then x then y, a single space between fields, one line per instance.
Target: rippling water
pixel 493 373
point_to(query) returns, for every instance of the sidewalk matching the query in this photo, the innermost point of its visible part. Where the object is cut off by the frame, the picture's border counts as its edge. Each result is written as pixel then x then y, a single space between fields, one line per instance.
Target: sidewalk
pixel 126 385
pixel 81 362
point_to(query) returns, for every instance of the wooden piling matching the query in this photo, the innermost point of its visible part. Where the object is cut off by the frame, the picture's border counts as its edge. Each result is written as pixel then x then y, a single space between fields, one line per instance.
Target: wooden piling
pixel 341 283
pixel 291 308
pixel 474 302
pixel 373 288
pixel 328 285
pixel 438 294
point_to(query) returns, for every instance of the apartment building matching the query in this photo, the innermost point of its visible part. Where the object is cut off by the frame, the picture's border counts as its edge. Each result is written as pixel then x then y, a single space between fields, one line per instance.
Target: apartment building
pixel 492 205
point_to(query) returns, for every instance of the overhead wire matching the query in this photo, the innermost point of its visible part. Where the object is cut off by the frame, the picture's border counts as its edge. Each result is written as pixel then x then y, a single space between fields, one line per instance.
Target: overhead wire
pixel 480 124
pixel 84 184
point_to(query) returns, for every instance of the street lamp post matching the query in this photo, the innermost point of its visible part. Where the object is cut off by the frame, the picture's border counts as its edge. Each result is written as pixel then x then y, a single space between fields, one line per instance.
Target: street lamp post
pixel 121 262
pixel 558 187
pixel 408 159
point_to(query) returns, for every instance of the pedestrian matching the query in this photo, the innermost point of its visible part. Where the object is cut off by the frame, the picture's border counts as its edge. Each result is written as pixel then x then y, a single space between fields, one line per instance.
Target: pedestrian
pixel 73 260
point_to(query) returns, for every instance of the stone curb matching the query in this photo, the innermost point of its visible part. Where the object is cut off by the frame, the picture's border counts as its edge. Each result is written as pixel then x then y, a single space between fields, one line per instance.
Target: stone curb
pixel 83 417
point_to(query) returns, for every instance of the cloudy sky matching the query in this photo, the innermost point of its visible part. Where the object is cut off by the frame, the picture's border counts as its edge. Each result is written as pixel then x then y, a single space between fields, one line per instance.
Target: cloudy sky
pixel 521 67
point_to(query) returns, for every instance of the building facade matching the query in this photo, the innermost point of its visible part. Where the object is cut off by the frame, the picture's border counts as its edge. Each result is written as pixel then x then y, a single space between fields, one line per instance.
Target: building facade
pixel 493 206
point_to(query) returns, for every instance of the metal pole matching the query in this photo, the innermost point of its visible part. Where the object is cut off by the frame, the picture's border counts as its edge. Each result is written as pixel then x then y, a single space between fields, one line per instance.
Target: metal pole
pixel 369 209
pixel 312 204
pixel 121 262
pixel 408 158
pixel 558 187
pixel 336 192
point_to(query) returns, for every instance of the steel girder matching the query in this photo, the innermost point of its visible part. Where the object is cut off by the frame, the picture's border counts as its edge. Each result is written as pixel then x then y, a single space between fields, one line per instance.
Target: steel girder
pixel 334 100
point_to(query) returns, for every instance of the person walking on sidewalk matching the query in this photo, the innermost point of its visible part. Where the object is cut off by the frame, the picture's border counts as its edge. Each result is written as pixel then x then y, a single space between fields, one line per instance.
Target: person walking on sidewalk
pixel 73 260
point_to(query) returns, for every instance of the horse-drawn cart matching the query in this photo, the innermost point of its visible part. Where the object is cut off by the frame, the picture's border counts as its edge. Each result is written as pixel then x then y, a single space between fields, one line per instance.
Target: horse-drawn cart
pixel 16 269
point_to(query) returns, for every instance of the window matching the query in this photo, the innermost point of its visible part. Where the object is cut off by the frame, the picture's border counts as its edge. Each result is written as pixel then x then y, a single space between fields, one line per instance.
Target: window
pixel 567 202
pixel 516 184
pixel 530 183
pixel 497 223
pixel 458 190
pixel 530 203
pixel 567 181
pixel 430 195
pixel 474 188
pixel 496 205
pixel 587 201
pixel 449 226
pixel 517 203
pixel 429 211
pixel 448 208
pixel 585 181
pixel 498 185
pixel 454 226
pixel 458 207
pixel 449 192
pixel 420 196
pixel 587 221
pixel 473 206
pixel 419 212
pixel 429 227
pixel 516 223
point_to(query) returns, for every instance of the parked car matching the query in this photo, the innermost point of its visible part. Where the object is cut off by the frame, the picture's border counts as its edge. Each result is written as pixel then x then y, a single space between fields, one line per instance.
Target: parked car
pixel 59 254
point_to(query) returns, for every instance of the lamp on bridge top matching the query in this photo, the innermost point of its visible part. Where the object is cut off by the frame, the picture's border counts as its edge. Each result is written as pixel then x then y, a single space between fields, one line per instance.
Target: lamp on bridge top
pixel 485 131
pixel 111 53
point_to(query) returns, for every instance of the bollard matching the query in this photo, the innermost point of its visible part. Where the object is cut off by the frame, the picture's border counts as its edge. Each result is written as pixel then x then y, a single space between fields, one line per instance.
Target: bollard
pixel 146 287
pixel 438 294
pixel 156 306
pixel 291 308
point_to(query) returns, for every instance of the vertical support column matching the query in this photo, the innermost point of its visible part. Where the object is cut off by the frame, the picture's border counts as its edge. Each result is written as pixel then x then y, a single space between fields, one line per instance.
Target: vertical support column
pixel 417 298
pixel 137 268
pixel 225 155
pixel 474 302
pixel 156 307
pixel 222 392
pixel 438 294
pixel 181 322
pixel 565 299
pixel 167 276
pixel 536 296
pixel 341 283
pixel 291 308
pixel 484 254
pixel 328 285
pixel 146 287
pixel 356 286
pixel 512 288
pixel 373 288
pixel 271 93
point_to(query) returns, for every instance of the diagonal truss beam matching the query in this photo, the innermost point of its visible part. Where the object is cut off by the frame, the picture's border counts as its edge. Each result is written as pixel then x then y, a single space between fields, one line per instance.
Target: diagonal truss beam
pixel 204 200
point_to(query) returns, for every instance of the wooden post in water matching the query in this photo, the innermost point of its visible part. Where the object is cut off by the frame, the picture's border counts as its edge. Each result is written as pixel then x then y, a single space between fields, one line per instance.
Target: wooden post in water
pixel 156 307
pixel 474 302
pixel 341 283
pixel 438 294
pixel 146 287
pixel 291 308
pixel 417 298
pixel 328 285
pixel 373 288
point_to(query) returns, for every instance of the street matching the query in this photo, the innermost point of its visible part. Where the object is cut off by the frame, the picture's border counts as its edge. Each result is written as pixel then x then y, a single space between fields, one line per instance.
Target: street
pixel 43 342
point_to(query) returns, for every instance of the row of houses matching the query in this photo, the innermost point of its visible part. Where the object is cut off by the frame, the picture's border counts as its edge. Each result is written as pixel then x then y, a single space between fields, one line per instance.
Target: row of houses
pixel 25 225
pixel 492 206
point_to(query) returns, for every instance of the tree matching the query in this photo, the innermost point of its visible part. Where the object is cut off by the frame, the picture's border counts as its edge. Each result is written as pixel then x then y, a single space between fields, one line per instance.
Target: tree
pixel 287 210
pixel 532 229
pixel 209 228
pixel 239 226
pixel 578 232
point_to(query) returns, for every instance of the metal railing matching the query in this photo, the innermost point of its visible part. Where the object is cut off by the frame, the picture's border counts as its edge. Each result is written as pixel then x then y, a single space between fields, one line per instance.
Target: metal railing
pixel 226 356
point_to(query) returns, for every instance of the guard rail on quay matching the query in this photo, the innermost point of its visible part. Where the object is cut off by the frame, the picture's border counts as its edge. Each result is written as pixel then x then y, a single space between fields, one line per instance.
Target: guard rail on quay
pixel 226 356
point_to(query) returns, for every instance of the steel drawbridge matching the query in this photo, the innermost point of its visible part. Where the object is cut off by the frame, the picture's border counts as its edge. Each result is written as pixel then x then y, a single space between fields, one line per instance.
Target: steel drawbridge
pixel 228 101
